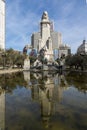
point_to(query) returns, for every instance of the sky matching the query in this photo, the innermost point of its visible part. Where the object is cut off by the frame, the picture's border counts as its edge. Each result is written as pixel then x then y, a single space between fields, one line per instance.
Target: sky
pixel 23 18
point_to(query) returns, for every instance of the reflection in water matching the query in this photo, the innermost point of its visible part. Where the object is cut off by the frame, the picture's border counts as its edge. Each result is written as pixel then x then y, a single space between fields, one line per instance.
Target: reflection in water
pixel 43 100
pixel 48 91
pixel 79 80
pixel 2 109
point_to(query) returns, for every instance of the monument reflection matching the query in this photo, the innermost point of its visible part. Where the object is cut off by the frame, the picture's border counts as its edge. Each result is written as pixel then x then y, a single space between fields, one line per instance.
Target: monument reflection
pixel 47 88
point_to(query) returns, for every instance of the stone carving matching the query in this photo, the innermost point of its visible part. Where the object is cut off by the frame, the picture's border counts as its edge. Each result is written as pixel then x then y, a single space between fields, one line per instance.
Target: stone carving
pixel 45 15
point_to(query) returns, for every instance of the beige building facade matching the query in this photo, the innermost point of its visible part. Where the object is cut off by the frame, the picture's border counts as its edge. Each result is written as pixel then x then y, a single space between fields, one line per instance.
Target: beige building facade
pixel 82 49
pixel 64 50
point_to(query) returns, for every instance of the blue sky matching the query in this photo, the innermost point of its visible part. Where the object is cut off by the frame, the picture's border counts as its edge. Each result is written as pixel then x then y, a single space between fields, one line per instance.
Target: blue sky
pixel 23 17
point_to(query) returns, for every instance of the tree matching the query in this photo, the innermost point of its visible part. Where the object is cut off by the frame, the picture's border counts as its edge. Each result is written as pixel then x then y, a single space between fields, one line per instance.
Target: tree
pixel 14 58
pixel 77 61
pixel 68 61
pixel 19 61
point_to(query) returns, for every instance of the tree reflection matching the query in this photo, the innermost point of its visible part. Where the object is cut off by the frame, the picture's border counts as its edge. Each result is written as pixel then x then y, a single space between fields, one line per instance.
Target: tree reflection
pixel 9 82
pixel 79 80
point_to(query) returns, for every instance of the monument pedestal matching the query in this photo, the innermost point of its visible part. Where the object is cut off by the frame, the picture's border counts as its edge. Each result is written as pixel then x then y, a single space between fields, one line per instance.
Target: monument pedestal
pixel 26 64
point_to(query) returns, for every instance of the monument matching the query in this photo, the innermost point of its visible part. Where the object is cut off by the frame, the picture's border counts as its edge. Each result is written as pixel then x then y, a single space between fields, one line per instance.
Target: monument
pixel 45 42
pixel 47 38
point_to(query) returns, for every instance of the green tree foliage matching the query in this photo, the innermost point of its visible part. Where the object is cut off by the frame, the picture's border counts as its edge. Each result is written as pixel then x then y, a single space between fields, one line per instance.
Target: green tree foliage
pixel 11 58
pixel 2 58
pixel 76 61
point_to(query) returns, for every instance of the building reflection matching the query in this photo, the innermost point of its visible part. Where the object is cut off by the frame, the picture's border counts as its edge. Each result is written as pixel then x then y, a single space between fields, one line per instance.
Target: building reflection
pixel 2 109
pixel 48 90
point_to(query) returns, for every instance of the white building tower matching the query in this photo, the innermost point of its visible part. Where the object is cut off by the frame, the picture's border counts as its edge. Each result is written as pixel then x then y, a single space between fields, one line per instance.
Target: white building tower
pixel 2 24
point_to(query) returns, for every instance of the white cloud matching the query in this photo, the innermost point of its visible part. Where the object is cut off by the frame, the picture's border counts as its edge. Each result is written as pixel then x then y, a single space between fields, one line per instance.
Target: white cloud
pixel 19 26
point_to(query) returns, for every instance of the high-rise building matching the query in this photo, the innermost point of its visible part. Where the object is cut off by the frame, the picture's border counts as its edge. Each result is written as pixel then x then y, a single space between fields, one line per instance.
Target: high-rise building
pixel 2 24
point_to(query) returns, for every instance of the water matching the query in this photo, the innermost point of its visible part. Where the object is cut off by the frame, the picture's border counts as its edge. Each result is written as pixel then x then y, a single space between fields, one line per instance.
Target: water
pixel 39 101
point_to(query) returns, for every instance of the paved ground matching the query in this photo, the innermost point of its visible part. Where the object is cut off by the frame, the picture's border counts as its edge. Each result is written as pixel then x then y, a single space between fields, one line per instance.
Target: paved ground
pixel 10 71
